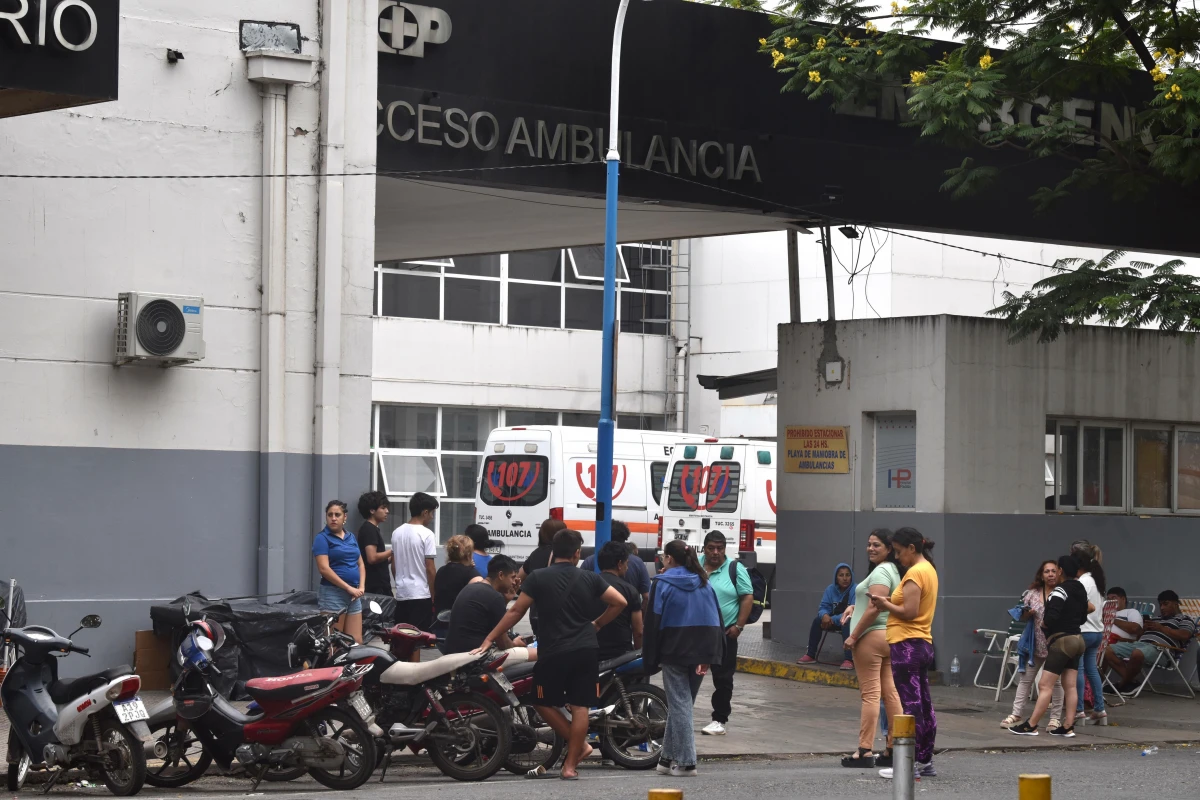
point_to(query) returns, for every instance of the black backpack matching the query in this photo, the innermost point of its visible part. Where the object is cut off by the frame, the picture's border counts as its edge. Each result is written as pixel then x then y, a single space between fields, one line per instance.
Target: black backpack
pixel 760 589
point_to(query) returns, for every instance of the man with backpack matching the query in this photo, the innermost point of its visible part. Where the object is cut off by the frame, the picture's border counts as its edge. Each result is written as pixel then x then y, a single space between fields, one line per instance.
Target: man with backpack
pixel 735 595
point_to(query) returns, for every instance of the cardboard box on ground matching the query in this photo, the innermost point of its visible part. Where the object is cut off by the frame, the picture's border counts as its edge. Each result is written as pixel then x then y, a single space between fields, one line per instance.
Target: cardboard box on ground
pixel 152 659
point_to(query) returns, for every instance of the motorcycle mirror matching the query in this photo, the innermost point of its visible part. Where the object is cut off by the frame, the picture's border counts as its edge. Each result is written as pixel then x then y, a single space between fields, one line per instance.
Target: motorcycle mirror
pixel 375 607
pixel 90 621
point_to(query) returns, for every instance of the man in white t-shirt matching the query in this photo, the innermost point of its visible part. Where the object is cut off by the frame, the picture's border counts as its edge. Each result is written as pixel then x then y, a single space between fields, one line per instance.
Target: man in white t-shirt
pixel 1127 626
pixel 413 551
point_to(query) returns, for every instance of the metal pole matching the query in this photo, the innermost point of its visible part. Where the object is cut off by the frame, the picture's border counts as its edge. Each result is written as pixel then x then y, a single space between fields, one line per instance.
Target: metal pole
pixel 827 248
pixel 604 431
pixel 793 256
pixel 904 742
pixel 1033 787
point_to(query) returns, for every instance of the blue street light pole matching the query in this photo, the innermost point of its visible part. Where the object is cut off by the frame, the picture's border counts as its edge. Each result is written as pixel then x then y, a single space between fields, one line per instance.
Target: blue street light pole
pixel 604 431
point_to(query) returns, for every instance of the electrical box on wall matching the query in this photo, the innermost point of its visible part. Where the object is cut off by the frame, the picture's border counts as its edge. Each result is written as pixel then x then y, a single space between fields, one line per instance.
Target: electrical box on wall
pixel 159 329
pixel 833 371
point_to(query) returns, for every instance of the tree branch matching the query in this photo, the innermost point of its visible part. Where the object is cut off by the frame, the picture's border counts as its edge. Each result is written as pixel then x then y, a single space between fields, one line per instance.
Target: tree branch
pixel 1131 36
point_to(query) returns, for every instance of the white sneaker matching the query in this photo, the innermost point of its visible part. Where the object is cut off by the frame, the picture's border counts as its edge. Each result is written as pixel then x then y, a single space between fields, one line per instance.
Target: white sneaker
pixel 683 772
pixel 662 768
pixel 714 728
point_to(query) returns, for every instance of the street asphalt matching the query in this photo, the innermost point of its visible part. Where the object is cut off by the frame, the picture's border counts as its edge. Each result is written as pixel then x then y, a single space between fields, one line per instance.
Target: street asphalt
pixel 1094 774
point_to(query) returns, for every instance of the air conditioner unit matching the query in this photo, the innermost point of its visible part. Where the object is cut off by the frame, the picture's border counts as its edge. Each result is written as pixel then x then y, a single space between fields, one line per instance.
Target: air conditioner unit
pixel 159 329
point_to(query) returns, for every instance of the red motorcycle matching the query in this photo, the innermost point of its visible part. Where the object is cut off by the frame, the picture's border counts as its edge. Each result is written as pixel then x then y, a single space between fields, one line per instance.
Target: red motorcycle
pixel 297 724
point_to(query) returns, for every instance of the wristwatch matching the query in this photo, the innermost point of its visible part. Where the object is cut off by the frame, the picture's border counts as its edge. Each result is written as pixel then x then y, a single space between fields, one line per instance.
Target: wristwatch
pixel 739 627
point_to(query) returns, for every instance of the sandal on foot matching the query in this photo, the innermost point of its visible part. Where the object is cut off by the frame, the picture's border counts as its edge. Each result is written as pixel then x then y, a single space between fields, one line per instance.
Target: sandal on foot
pixel 884 759
pixel 862 758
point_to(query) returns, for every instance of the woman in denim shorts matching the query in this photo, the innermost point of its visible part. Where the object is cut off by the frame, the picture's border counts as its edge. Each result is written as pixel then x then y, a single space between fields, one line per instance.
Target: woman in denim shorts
pixel 343 574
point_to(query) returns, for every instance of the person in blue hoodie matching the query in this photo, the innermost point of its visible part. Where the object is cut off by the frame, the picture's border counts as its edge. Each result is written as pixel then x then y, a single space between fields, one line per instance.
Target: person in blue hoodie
pixel 683 637
pixel 838 595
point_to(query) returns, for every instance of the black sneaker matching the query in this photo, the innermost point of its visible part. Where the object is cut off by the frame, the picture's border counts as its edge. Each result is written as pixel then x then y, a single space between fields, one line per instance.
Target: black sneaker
pixel 1067 733
pixel 1024 729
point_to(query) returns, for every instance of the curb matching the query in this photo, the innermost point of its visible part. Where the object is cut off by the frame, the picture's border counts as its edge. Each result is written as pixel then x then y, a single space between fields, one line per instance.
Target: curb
pixel 797 672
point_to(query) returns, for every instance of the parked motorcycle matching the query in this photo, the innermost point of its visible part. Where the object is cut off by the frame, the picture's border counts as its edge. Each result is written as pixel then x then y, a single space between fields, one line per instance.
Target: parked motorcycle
pixel 298 723
pixel 437 705
pixel 96 722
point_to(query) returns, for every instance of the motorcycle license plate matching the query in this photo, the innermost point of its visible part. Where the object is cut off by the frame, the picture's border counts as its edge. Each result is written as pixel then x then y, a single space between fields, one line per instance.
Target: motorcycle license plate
pixel 360 705
pixel 503 682
pixel 131 710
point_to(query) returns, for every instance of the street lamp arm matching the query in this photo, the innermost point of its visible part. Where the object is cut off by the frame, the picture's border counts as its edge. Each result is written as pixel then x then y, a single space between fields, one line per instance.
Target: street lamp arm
pixel 615 82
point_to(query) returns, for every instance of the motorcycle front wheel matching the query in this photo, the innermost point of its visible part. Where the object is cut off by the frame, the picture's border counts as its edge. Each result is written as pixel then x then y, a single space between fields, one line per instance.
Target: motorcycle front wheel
pixel 547 750
pixel 185 759
pixel 473 740
pixel 124 759
pixel 356 741
pixel 632 734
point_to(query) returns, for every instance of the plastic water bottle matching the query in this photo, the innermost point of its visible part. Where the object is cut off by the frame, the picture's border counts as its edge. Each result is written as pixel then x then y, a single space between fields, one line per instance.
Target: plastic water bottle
pixel 955 673
pixel 1149 751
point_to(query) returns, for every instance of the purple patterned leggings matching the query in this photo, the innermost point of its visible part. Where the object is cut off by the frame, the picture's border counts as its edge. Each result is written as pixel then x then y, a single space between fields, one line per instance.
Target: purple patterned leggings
pixel 911 661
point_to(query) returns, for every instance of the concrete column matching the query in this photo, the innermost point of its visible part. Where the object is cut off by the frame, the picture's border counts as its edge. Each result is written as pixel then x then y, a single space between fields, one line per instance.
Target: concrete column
pixel 274 71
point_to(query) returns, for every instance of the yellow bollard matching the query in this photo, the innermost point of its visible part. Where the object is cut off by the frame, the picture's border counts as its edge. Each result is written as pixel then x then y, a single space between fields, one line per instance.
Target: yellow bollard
pixel 904 745
pixel 904 725
pixel 1033 787
pixel 665 794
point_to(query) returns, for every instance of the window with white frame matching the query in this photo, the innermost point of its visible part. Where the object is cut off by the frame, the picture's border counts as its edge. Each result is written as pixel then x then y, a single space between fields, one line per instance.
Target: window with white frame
pixel 439 450
pixel 559 288
pixel 1119 466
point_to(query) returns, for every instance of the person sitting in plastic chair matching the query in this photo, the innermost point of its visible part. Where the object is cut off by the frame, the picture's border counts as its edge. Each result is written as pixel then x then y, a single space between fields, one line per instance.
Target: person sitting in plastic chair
pixel 829 617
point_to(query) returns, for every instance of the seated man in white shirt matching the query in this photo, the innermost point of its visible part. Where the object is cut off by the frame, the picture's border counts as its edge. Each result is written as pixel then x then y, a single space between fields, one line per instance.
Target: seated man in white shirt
pixel 1127 627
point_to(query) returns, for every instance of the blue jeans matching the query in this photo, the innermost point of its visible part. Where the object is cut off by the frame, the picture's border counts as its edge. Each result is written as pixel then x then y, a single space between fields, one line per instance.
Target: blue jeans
pixel 679 741
pixel 1087 664
pixel 334 598
pixel 816 631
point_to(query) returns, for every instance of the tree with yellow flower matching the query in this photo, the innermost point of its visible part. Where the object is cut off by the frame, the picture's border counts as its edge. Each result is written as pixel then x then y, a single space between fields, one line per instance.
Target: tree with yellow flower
pixel 1011 82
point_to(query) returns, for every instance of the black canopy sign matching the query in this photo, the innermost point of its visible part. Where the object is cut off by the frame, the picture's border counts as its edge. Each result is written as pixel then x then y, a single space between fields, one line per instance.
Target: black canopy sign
pixel 57 54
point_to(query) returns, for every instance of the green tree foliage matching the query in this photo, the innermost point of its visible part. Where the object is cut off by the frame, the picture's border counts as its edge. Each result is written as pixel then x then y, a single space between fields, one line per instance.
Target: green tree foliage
pixel 1011 56
pixel 1138 295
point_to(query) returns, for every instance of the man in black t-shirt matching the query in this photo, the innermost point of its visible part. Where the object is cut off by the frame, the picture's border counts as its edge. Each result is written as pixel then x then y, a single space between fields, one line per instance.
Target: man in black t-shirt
pixel 480 606
pixel 374 508
pixel 625 632
pixel 572 605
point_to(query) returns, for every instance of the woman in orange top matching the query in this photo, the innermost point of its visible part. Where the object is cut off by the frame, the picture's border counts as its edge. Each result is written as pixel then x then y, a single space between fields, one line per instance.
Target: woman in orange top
pixel 910 639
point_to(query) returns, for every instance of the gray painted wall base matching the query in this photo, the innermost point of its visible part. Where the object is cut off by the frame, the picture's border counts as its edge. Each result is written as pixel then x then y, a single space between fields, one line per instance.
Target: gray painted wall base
pixel 984 562
pixel 113 531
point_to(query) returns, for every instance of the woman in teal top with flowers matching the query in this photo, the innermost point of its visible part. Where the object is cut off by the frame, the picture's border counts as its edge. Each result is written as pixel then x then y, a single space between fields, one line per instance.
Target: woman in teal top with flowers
pixel 872 658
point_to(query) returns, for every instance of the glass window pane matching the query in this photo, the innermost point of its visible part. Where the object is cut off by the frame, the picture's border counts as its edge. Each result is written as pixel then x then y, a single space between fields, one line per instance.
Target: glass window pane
pixel 658 471
pixel 585 309
pixel 637 307
pixel 1068 460
pixel 580 419
pixel 467 428
pixel 472 301
pixel 587 264
pixel 408 474
pixel 684 493
pixel 410 296
pixel 514 480
pixel 1103 466
pixel 1152 468
pixel 408 427
pixel 723 480
pixel 523 416
pixel 1189 469
pixel 460 473
pixel 453 519
pixel 649 268
pixel 484 266
pixel 430 265
pixel 536 265
pixel 536 306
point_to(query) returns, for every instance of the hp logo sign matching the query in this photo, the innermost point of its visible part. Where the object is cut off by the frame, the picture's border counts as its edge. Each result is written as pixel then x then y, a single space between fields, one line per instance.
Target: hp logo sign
pixel 405 28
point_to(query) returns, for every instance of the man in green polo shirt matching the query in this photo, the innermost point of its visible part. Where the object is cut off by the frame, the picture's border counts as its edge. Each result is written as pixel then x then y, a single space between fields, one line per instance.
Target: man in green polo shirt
pixel 736 598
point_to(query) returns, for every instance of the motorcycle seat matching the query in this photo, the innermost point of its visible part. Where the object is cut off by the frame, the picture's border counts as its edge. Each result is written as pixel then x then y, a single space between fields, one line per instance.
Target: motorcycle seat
pixel 290 687
pixel 409 673
pixel 625 658
pixel 66 691
pixel 519 671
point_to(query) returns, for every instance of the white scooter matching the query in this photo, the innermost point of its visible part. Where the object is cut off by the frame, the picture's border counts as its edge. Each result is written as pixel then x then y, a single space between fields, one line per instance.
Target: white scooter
pixel 96 722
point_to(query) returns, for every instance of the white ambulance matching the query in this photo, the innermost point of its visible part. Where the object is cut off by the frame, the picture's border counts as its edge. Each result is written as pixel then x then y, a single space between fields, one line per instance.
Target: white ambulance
pixel 538 472
pixel 726 485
